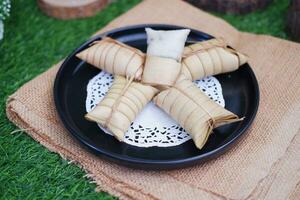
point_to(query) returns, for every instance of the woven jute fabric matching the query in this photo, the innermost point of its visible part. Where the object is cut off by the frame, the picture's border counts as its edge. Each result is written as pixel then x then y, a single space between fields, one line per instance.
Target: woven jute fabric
pixel 265 164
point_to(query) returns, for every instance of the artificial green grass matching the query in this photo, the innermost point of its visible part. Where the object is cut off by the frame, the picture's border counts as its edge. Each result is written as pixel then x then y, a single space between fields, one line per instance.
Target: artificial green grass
pixel 32 43
pixel 271 21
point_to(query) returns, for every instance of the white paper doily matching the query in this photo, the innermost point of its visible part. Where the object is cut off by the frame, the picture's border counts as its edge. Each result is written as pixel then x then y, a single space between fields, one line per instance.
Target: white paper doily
pixel 152 127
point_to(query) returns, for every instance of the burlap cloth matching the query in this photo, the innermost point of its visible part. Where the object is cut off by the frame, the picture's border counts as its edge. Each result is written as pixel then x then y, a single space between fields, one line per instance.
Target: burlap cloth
pixel 265 164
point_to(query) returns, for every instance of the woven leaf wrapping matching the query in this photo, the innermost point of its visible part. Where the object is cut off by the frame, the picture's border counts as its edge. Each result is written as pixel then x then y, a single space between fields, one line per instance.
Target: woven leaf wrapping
pixel 210 57
pixel 164 52
pixel 193 110
pixel 178 97
pixel 114 57
pixel 123 102
pixel 201 59
pixel 160 71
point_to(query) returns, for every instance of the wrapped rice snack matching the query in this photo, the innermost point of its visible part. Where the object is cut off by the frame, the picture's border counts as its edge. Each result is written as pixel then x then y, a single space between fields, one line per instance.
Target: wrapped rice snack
pixel 210 57
pixel 193 110
pixel 114 57
pixel 162 65
pixel 123 102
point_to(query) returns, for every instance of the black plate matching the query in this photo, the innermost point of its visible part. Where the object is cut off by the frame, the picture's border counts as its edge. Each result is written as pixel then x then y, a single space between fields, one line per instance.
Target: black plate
pixel 240 90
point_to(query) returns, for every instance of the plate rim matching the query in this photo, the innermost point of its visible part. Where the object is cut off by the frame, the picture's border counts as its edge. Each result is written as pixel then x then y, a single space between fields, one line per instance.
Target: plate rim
pixel 139 162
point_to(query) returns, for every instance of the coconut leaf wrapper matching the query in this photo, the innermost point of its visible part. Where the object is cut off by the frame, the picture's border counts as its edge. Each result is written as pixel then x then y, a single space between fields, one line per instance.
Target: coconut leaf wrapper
pixel 210 57
pixel 193 110
pixel 114 57
pixel 163 60
pixel 123 102
pixel 161 71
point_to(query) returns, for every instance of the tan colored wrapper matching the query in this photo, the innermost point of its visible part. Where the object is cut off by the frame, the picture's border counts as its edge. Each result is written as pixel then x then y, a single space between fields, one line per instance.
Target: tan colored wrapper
pixel 123 102
pixel 114 57
pixel 193 110
pixel 210 57
pixel 159 71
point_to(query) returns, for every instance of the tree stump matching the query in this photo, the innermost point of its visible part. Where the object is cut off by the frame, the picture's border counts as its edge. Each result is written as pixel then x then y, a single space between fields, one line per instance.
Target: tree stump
pixel 293 20
pixel 71 9
pixel 230 6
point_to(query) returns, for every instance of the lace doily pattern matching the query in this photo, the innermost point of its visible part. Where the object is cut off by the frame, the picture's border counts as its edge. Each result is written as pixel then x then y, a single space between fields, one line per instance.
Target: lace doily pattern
pixel 152 127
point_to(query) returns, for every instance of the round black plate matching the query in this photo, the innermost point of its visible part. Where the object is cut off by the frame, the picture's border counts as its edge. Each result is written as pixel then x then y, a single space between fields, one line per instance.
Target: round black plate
pixel 240 90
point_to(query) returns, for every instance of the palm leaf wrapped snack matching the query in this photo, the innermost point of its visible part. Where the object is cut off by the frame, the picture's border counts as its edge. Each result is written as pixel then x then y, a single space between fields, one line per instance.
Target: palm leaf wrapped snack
pixel 182 100
pixel 162 65
pixel 114 57
pixel 123 102
pixel 193 110
pixel 210 57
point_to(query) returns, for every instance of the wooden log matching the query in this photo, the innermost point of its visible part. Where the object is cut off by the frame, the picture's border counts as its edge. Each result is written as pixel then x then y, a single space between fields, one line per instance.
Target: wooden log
pixel 230 6
pixel 293 20
pixel 71 9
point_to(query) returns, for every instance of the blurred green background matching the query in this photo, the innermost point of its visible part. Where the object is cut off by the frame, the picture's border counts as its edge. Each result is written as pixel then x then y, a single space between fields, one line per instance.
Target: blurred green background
pixel 32 43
